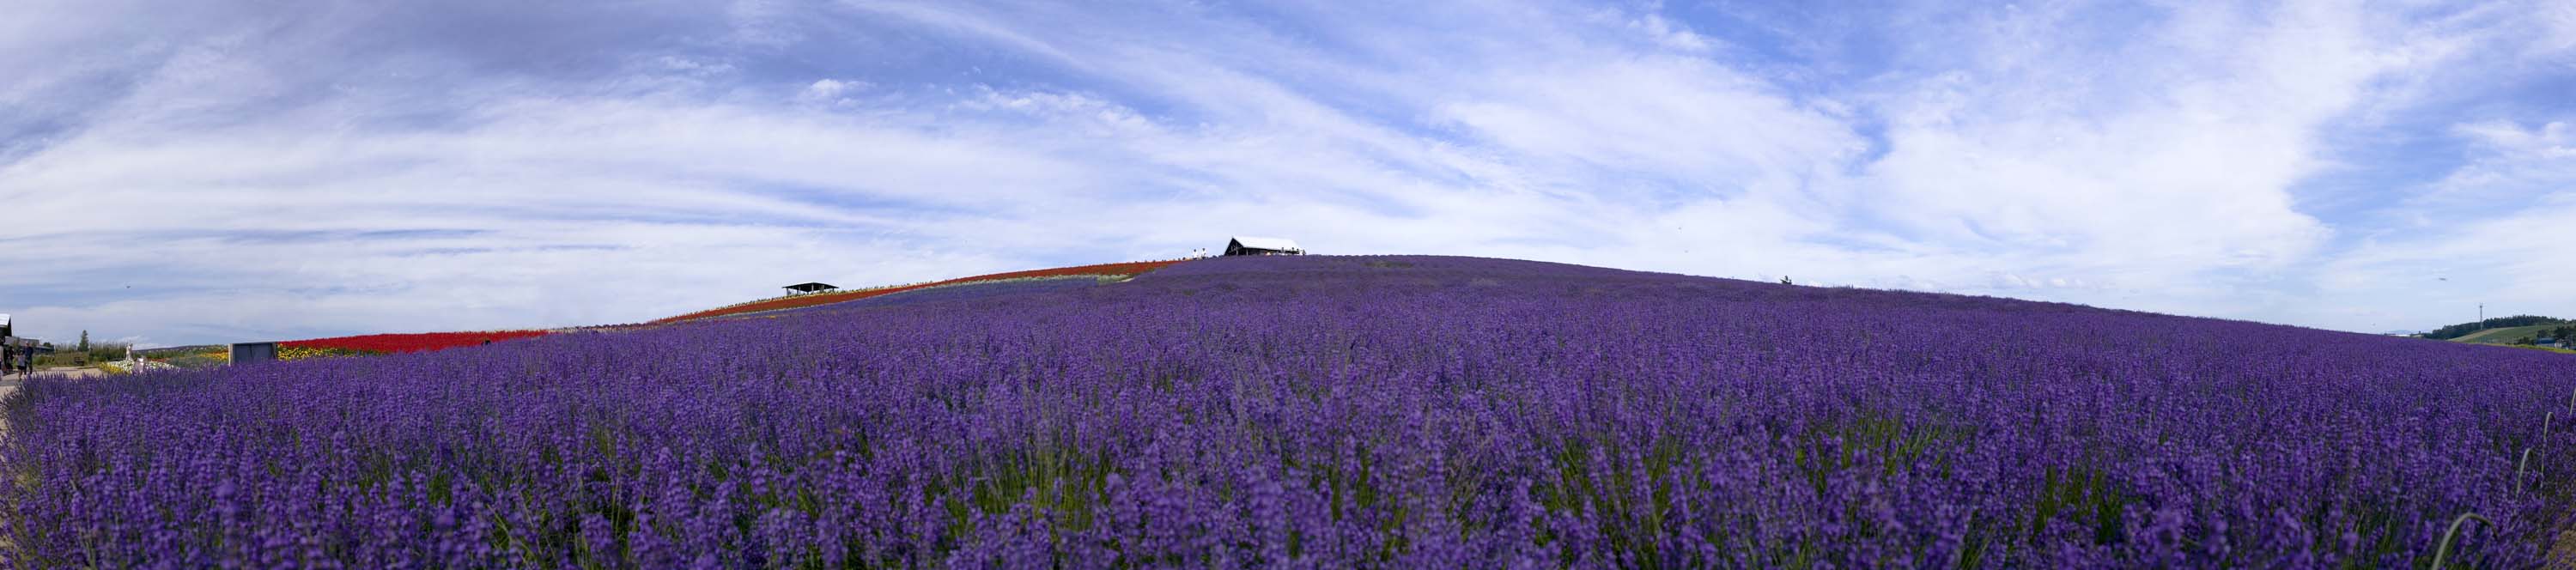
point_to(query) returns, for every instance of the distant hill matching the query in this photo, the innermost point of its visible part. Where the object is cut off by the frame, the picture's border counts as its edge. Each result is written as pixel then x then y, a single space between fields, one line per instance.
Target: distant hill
pixel 2507 335
pixel 2454 332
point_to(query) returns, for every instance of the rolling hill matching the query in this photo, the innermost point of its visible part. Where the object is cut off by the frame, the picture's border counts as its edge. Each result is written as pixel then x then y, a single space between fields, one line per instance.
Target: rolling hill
pixel 2505 335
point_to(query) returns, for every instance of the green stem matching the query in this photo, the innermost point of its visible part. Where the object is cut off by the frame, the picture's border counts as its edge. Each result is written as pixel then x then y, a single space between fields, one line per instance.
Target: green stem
pixel 2444 550
pixel 2518 467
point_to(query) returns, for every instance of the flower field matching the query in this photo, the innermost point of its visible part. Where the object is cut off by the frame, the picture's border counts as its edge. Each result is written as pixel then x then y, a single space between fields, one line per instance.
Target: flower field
pixel 1329 412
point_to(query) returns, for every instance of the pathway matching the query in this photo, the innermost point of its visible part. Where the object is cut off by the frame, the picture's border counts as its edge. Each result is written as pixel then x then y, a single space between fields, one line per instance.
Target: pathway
pixel 2563 556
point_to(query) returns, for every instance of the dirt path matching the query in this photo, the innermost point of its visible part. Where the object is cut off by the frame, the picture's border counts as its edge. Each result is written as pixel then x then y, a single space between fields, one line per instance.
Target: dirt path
pixel 77 373
pixel 2563 556
pixel 9 383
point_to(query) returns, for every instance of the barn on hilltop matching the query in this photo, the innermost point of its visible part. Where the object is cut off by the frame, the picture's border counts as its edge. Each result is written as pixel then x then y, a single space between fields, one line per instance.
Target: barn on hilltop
pixel 1248 245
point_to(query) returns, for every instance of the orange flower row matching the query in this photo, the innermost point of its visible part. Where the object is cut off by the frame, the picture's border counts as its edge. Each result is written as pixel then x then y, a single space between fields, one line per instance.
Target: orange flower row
pixel 1105 269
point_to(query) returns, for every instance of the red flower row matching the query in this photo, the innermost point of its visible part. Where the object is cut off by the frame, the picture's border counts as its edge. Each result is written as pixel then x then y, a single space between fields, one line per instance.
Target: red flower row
pixel 413 342
pixel 424 342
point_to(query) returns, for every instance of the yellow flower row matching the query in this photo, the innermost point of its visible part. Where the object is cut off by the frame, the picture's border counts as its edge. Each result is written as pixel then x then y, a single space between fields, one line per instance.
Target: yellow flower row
pixel 302 352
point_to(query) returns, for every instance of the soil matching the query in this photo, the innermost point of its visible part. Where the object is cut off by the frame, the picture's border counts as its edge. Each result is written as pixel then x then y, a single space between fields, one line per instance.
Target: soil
pixel 2563 556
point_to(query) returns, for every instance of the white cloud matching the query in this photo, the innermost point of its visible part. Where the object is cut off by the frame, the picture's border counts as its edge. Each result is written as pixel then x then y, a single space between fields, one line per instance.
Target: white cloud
pixel 2174 162
pixel 2553 140
pixel 1669 116
pixel 2557 19
pixel 2034 154
pixel 688 66
pixel 830 91
pixel 1666 33
pixel 2493 231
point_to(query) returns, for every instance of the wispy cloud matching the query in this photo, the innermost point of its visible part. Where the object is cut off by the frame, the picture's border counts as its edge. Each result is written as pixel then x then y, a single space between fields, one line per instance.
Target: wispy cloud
pixel 486 165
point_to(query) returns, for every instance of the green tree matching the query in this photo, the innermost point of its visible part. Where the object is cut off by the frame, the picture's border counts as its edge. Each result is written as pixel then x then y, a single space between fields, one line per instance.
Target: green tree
pixel 84 345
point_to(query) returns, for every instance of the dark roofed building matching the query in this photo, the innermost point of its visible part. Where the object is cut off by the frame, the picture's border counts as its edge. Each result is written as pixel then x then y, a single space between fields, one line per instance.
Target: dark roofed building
pixel 803 288
pixel 1248 245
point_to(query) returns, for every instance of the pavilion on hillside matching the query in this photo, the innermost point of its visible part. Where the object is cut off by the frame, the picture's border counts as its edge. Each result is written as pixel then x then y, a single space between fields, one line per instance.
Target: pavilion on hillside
pixel 804 288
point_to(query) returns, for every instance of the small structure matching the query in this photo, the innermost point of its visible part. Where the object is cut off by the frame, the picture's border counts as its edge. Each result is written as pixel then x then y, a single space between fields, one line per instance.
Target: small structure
pixel 805 288
pixel 248 352
pixel 1248 245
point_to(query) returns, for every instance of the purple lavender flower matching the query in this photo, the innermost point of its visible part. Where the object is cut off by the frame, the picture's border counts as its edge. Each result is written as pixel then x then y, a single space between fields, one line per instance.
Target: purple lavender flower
pixel 1324 412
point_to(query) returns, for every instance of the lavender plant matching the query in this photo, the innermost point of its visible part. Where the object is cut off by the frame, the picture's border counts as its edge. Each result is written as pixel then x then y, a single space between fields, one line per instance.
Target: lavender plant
pixel 1322 412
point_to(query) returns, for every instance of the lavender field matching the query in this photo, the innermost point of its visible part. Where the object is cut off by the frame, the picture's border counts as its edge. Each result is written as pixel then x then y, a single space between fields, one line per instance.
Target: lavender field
pixel 1328 412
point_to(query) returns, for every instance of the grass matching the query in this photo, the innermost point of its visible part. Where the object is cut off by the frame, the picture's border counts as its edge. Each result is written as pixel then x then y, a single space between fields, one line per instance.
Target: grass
pixel 98 352
pixel 2505 335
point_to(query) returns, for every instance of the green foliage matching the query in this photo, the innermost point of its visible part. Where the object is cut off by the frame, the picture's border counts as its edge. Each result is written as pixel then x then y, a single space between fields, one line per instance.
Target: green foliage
pixel 94 354
pixel 2464 329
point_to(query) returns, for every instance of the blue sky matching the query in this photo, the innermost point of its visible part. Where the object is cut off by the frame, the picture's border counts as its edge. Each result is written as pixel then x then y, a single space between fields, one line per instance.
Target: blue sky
pixel 226 171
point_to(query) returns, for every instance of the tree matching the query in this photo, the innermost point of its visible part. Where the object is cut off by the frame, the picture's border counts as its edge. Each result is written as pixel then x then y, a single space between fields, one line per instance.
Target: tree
pixel 84 345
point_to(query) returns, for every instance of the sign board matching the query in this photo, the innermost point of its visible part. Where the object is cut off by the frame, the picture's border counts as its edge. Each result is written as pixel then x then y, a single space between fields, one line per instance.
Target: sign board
pixel 247 352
